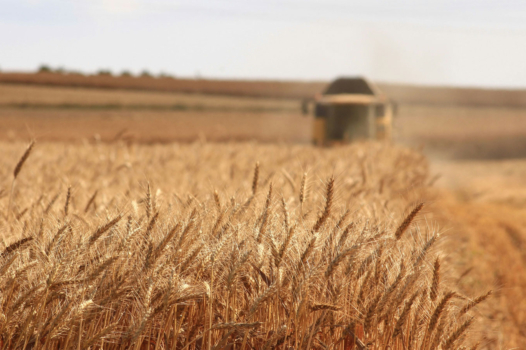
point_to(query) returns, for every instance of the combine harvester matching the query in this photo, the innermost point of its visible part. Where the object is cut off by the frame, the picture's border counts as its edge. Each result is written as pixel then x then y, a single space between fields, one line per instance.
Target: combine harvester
pixel 350 109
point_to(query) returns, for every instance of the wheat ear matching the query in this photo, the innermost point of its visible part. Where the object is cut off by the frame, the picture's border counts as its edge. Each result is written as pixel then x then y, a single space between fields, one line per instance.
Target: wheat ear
pixel 403 317
pixel 17 170
pixel 148 202
pixel 328 206
pixel 433 293
pixel 476 301
pixel 407 221
pixel 255 179
pixel 303 189
pixel 438 311
pixel 103 229
pixel 15 246
pixel 448 344
pixel 66 205
pixel 91 201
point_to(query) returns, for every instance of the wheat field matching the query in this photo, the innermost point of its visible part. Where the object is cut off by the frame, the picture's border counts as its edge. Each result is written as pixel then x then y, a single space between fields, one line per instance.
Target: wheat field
pixel 222 246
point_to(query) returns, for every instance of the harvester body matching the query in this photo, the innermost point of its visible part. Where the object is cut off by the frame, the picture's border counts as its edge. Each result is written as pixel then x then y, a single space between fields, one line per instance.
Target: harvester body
pixel 351 109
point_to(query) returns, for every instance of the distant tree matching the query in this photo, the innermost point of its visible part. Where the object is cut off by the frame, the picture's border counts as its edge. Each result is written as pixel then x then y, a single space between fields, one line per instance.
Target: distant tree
pixel 44 68
pixel 106 72
pixel 126 73
pixel 146 74
pixel 60 70
pixel 165 75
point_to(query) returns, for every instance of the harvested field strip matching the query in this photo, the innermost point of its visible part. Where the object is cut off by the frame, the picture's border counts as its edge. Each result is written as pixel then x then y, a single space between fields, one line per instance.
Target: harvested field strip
pixel 43 97
pixel 277 89
pixel 153 126
pixel 220 245
pixel 146 107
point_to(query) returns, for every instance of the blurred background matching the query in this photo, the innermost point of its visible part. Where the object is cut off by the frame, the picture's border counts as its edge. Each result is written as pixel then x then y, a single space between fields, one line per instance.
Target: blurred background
pixel 159 71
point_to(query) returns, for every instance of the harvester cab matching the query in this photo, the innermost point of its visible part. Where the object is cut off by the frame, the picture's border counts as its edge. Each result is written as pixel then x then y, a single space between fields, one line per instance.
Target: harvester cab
pixel 350 109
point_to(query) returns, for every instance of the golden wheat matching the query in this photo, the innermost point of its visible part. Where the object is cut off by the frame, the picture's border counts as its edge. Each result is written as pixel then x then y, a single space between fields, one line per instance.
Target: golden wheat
pixel 212 262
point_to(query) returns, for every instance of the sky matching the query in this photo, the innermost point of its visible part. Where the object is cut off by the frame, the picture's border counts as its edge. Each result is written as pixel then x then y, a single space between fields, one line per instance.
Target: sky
pixel 433 42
